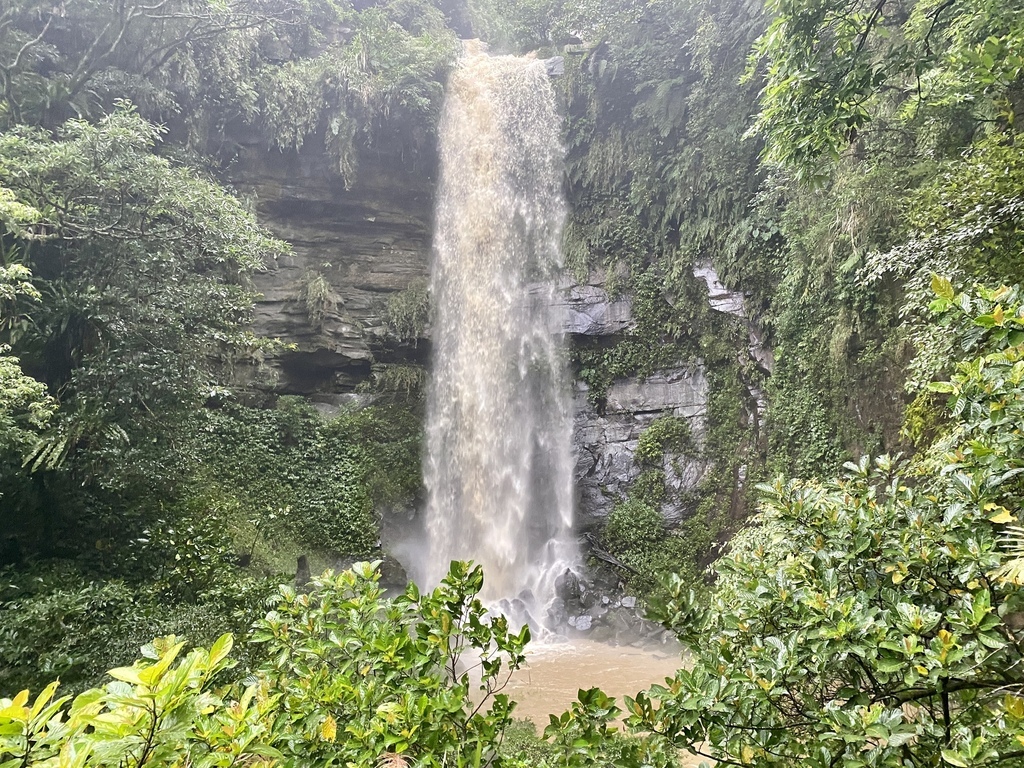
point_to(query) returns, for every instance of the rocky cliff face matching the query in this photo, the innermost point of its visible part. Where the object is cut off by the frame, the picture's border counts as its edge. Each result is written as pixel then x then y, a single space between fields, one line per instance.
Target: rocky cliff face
pixel 351 249
pixel 607 440
pixel 356 247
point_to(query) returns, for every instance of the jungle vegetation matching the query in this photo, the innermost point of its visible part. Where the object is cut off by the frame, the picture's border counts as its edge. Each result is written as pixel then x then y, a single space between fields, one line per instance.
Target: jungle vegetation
pixel 851 165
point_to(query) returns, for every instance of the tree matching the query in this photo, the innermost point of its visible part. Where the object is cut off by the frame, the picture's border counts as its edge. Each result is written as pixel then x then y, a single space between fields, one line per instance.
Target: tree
pixel 72 59
pixel 25 406
pixel 142 264
pixel 290 69
pixel 865 621
pixel 834 66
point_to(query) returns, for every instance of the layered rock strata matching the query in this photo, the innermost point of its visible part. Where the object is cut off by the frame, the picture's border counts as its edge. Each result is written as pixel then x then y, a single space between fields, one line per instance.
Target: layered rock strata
pixel 363 244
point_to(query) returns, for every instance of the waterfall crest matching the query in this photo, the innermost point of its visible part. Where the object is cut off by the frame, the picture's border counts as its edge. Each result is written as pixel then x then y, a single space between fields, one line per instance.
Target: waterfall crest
pixel 499 466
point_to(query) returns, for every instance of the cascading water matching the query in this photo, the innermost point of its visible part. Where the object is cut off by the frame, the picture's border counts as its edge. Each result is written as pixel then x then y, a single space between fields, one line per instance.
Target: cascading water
pixel 499 420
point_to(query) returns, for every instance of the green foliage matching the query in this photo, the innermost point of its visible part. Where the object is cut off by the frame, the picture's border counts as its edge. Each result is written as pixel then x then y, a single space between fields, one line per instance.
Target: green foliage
pixel 384 78
pixel 318 298
pixel 661 180
pixel 408 311
pixel 663 335
pixel 914 63
pixel 66 633
pixel 636 534
pixel 350 678
pixel 837 379
pixel 967 221
pixel 657 169
pixel 385 675
pixel 291 70
pixel 863 620
pixel 649 488
pixel 324 477
pixel 514 26
pixel 584 736
pixel 151 713
pixel 25 405
pixel 665 435
pixel 252 486
pixel 522 748
pixel 633 528
pixel 399 379
pixel 56 621
pixel 143 265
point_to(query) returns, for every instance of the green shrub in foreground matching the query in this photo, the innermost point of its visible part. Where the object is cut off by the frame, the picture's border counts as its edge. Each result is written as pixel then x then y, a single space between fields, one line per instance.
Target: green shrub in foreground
pixel 350 679
pixel 874 620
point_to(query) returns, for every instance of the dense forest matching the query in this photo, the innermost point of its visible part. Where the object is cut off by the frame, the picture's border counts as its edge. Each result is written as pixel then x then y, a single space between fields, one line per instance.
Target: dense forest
pixel 849 166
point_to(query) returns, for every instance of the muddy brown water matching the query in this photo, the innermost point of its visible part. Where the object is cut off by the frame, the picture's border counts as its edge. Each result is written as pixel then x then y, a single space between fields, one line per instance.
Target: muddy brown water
pixel 555 672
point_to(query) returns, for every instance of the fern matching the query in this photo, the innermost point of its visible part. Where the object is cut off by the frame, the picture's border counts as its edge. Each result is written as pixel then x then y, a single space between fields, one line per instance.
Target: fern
pixel 318 297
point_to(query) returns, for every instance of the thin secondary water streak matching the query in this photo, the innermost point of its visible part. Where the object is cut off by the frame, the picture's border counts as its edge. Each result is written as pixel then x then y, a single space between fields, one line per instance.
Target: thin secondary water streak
pixel 499 463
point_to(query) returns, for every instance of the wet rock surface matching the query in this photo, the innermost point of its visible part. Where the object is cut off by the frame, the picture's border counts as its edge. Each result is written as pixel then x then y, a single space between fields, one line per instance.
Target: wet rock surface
pixel 607 439
pixel 595 607
pixel 367 242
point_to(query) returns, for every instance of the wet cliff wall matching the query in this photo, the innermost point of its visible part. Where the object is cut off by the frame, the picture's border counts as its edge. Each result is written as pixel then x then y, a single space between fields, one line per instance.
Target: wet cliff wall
pixel 352 249
pixel 359 248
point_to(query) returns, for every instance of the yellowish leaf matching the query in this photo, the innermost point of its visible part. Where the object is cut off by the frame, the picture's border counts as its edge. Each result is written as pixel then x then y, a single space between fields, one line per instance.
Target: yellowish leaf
pixel 1014 706
pixel 1002 517
pixel 126 675
pixel 329 729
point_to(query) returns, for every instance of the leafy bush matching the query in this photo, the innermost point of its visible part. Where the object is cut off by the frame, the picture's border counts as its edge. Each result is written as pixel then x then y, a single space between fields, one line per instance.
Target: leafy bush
pixel 633 528
pixel 74 633
pixel 873 620
pixel 637 535
pixel 318 298
pixel 350 678
pixel 666 434
pixel 408 311
pixel 649 488
pixel 322 478
pixel 584 736
pixel 59 620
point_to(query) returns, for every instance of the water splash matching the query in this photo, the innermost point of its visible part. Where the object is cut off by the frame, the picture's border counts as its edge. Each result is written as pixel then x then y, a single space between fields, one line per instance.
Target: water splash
pixel 499 463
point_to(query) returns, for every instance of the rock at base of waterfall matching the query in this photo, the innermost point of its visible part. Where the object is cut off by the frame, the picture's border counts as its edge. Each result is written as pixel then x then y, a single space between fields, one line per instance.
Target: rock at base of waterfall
pixel 557 615
pixel 629 601
pixel 583 623
pixel 555 66
pixel 567 586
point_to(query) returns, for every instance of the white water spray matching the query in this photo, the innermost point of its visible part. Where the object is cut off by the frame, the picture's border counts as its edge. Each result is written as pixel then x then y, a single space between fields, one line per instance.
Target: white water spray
pixel 499 416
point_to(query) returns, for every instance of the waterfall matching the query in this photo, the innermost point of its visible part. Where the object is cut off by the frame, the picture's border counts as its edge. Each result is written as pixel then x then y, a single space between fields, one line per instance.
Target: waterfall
pixel 499 466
